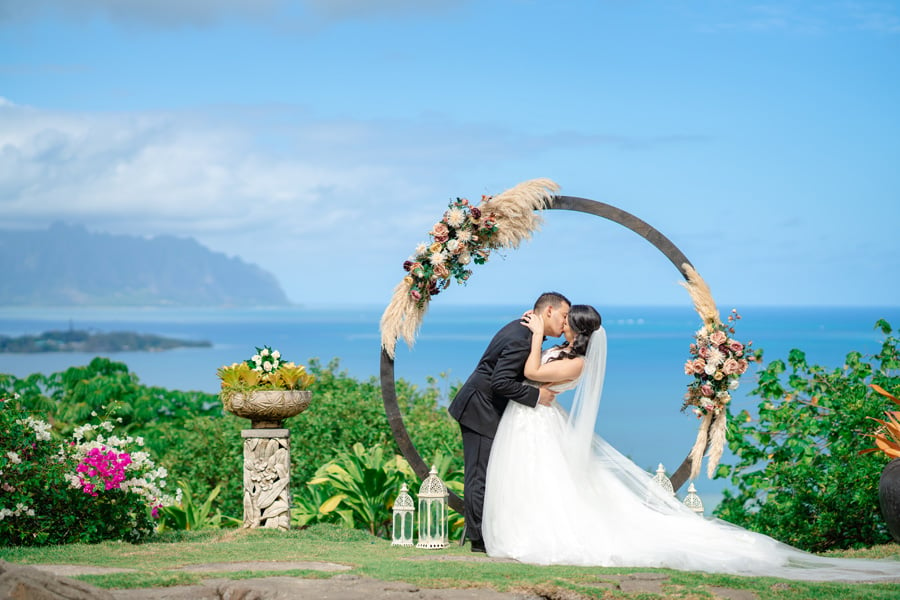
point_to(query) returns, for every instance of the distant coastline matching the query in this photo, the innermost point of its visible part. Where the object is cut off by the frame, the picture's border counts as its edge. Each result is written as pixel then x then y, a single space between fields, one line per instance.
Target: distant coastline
pixel 74 340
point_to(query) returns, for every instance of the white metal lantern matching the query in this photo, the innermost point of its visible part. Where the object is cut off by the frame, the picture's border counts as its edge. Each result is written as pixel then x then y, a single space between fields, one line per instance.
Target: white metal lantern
pixel 433 512
pixel 661 479
pixel 402 534
pixel 692 500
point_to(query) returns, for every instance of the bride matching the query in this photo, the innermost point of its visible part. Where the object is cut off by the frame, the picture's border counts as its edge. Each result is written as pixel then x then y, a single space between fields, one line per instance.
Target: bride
pixel 557 493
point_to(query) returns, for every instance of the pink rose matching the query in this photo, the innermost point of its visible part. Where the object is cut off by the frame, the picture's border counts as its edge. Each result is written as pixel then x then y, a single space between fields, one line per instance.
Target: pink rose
pixel 415 295
pixel 703 352
pixel 706 390
pixel 699 366
pixel 718 338
pixel 742 365
pixel 735 346
pixel 440 232
pixel 689 367
pixel 441 271
pixel 731 367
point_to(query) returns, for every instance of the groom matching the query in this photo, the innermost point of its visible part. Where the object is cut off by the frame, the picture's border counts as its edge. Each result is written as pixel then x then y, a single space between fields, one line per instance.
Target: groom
pixel 480 402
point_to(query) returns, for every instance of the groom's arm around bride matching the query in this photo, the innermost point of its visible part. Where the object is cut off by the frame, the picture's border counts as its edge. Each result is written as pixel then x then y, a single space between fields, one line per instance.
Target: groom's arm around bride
pixel 478 405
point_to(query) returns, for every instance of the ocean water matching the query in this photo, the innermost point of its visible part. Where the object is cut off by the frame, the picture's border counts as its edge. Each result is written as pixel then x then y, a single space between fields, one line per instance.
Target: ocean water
pixel 640 411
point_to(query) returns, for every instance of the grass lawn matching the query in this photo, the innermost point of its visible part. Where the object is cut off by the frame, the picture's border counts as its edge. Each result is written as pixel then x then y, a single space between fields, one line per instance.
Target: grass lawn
pixel 154 565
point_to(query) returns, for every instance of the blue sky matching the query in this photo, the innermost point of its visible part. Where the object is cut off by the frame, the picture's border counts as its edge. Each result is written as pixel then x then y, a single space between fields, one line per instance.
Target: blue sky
pixel 321 139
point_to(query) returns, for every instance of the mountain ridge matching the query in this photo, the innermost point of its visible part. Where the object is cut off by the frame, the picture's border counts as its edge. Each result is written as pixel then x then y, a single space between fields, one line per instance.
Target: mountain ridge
pixel 66 265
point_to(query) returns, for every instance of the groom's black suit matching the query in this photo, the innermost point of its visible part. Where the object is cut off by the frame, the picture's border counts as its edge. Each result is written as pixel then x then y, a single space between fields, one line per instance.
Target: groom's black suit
pixel 480 403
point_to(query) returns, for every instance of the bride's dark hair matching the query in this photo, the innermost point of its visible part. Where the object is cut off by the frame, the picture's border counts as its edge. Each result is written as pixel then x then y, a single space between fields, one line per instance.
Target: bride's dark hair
pixel 583 320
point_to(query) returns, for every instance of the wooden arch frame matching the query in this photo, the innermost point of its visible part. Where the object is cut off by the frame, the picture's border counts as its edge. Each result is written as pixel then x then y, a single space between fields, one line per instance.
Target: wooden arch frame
pixel 573 203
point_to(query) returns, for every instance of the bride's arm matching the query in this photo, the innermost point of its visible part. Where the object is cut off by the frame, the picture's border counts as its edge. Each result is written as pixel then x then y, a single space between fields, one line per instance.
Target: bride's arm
pixel 554 371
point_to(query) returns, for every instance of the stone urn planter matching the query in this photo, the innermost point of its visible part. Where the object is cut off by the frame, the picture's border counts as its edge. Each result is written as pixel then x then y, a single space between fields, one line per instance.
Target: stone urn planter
pixel 267 408
pixel 267 453
pixel 889 497
pixel 267 390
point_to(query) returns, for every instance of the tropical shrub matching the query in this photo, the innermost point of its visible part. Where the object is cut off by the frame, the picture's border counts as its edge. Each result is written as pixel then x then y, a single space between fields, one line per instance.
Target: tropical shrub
pixel 69 397
pixel 189 435
pixel 190 515
pixel 800 476
pixel 204 452
pixel 363 484
pixel 357 489
pixel 97 486
pixel 345 411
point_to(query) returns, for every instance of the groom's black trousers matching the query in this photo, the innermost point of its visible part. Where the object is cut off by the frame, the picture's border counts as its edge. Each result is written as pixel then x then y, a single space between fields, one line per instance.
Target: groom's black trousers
pixel 476 452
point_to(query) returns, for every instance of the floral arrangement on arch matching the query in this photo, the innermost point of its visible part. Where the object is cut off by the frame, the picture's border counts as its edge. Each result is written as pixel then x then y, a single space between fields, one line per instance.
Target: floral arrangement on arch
pixel 717 361
pixel 265 370
pixel 463 236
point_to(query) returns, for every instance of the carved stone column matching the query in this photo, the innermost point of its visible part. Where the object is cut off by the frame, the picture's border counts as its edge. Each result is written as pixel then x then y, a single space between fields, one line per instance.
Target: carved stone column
pixel 267 468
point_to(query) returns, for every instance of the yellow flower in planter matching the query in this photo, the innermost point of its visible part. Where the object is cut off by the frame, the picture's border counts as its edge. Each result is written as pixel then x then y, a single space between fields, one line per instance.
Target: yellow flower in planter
pixel 265 370
pixel 294 377
pixel 265 389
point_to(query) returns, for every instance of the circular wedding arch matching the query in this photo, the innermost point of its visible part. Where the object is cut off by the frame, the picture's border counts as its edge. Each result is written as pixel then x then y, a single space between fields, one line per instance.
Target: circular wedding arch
pixel 573 203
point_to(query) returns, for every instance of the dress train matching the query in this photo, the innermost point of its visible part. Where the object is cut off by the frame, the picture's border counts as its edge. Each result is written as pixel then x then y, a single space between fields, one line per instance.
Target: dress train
pixel 559 494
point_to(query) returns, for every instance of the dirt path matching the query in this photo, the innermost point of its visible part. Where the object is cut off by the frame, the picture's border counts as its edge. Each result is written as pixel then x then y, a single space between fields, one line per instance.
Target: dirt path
pixel 341 586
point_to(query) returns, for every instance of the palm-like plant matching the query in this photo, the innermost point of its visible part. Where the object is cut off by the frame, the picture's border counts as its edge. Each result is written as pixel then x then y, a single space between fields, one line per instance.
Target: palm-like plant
pixel 364 483
pixel 190 515
pixel 887 439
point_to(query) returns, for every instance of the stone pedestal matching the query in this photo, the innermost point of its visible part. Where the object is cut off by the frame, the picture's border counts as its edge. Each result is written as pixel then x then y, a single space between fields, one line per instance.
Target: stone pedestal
pixel 267 469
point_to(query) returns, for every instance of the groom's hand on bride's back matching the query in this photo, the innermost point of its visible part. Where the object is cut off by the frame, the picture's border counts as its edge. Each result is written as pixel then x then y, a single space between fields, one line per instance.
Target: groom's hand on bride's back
pixel 546 397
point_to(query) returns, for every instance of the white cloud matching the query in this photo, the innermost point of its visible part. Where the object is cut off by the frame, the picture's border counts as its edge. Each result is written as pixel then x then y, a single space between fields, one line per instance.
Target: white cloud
pixel 880 17
pixel 807 18
pixel 162 13
pixel 360 9
pixel 275 186
pixel 200 13
pixel 172 172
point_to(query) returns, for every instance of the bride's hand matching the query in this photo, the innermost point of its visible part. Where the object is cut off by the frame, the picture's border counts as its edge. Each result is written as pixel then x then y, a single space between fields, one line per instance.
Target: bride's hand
pixel 533 322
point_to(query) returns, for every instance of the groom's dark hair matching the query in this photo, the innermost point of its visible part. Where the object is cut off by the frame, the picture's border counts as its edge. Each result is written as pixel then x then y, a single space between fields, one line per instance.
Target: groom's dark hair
pixel 550 299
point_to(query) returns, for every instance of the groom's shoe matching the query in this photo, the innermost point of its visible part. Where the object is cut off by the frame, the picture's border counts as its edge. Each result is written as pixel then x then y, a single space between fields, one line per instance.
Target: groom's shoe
pixel 478 546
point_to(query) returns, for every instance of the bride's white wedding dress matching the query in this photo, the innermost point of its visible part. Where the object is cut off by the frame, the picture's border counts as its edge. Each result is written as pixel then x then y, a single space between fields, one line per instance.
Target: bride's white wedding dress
pixel 557 493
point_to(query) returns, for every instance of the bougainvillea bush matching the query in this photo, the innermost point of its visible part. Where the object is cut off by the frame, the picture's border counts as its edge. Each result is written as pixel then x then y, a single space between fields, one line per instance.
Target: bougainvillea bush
pixel 92 487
